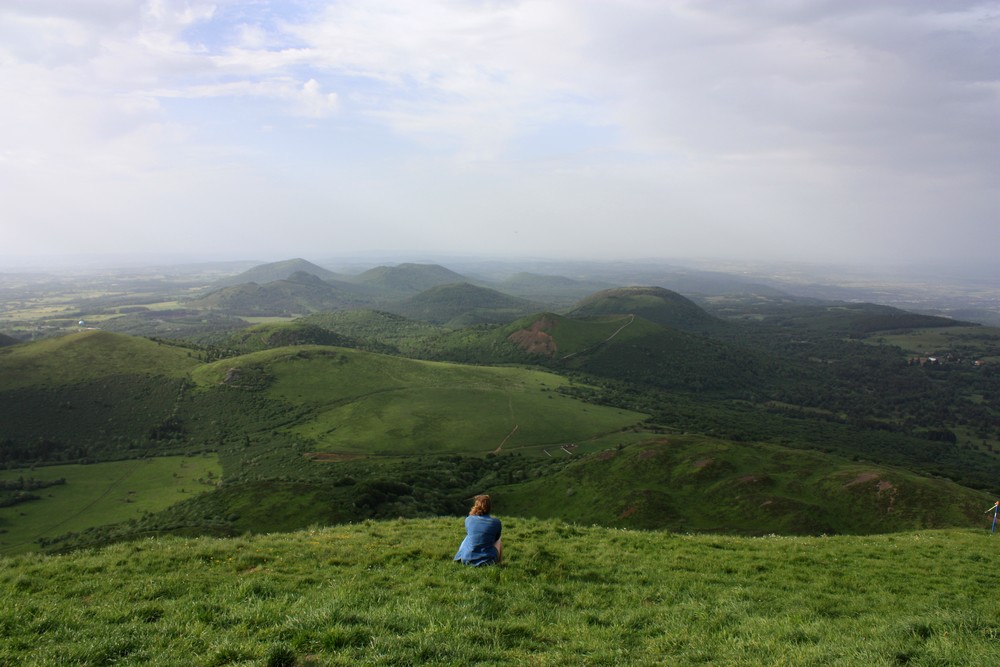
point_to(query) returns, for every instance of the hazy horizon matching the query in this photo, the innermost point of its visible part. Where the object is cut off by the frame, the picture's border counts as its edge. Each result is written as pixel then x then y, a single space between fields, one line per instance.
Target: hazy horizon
pixel 354 263
pixel 857 133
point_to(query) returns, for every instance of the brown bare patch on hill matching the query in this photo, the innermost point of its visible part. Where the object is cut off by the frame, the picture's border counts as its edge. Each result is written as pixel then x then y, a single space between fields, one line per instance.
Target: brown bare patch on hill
pixel 886 490
pixel 862 478
pixel 534 339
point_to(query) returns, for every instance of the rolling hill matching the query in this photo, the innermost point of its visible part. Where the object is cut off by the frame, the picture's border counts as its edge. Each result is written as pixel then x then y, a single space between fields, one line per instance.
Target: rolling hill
pixel 363 403
pixel 275 271
pixel 378 327
pixel 299 294
pixel 656 304
pixel 312 433
pixel 87 356
pixel 89 396
pixel 298 332
pixel 462 305
pixel 408 279
pixel 693 483
pixel 632 348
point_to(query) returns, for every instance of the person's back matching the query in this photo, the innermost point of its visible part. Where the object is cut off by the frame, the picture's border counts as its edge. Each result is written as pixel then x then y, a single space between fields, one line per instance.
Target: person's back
pixel 482 544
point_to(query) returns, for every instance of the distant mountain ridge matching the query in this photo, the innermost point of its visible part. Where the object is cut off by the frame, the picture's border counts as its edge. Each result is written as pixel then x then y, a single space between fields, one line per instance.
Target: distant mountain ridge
pixel 409 278
pixel 273 271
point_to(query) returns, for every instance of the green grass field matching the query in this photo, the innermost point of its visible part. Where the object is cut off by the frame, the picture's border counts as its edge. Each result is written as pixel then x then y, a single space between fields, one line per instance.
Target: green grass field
pixel 389 594
pixel 362 402
pixel 99 494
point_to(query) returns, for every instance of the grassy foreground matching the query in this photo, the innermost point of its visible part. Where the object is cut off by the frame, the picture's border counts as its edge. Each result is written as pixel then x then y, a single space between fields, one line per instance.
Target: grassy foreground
pixel 388 594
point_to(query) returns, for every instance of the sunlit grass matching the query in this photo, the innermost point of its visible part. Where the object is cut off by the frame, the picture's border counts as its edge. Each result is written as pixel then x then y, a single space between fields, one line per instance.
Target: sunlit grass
pixel 388 593
pixel 99 494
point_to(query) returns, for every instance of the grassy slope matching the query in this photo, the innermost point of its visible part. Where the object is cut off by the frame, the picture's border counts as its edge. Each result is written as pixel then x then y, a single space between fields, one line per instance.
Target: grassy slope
pixel 463 304
pixel 361 402
pixel 388 593
pixel 377 326
pixel 703 484
pixel 86 356
pixel 100 494
pixel 573 336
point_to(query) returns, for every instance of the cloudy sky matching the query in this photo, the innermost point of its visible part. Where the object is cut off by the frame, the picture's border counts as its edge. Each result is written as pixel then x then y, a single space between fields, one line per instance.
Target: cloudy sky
pixel 774 129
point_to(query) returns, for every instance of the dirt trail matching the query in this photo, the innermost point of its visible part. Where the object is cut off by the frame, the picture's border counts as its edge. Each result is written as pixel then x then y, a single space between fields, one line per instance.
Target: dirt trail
pixel 631 319
pixel 504 441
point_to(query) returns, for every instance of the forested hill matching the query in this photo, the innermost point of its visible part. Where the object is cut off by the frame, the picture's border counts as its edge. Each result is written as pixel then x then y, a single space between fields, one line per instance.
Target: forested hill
pixel 656 304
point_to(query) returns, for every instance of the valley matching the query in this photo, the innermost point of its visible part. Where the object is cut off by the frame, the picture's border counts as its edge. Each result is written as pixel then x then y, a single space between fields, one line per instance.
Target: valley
pixel 401 390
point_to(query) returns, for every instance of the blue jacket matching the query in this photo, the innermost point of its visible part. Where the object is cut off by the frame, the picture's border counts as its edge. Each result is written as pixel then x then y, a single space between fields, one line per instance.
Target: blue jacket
pixel 481 533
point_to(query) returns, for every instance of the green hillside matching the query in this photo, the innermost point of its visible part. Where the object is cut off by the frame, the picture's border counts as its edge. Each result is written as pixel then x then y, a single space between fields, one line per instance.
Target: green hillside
pixel 377 327
pixel 694 483
pixel 633 349
pixel 561 337
pixel 656 304
pixel 463 305
pixel 282 334
pixel 89 355
pixel 361 402
pixel 387 593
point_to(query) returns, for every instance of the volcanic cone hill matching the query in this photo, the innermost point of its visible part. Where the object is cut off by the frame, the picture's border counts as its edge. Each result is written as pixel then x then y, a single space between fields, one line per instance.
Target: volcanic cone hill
pixel 408 279
pixel 656 304
pixel 273 271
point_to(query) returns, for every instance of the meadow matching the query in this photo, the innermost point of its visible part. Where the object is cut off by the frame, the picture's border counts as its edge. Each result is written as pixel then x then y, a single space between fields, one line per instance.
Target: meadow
pixel 387 593
pixel 359 402
pixel 100 493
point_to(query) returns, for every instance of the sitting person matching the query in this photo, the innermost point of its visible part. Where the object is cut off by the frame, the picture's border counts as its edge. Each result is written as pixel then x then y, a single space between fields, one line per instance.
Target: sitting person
pixel 482 544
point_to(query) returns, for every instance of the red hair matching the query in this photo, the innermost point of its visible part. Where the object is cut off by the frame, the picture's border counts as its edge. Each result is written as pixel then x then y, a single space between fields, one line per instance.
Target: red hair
pixel 480 506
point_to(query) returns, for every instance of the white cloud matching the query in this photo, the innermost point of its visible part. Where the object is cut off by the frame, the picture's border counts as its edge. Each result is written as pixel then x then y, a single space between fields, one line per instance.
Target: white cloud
pixel 314 103
pixel 773 125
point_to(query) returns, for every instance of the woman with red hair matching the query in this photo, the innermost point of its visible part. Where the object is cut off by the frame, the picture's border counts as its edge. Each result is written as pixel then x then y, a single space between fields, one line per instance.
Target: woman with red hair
pixel 482 544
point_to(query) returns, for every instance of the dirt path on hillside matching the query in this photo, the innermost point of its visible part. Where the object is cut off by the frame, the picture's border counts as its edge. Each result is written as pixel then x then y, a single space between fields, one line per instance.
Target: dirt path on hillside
pixel 631 319
pixel 504 441
pixel 510 411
